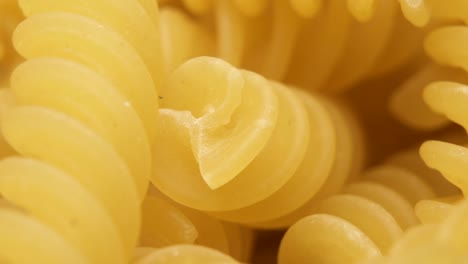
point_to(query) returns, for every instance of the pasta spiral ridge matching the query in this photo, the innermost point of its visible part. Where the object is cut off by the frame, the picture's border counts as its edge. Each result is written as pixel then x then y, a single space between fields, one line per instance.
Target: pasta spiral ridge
pixel 443 234
pixel 418 13
pixel 446 46
pixel 222 129
pixel 364 220
pixel 83 124
pixel 448 22
pixel 438 241
pixel 330 49
pixel 181 254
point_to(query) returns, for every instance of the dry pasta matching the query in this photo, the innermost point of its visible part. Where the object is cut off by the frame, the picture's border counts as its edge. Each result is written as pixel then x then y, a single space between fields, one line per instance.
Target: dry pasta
pixel 287 40
pixel 368 216
pixel 446 97
pixel 439 240
pixel 88 94
pixel 113 95
pixel 444 45
pixel 419 115
pixel 212 135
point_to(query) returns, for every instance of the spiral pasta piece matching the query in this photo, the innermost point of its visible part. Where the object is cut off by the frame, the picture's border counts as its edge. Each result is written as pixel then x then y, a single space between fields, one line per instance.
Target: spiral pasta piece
pixel 369 217
pixel 419 115
pixel 446 46
pixel 83 123
pixel 278 39
pixel 228 126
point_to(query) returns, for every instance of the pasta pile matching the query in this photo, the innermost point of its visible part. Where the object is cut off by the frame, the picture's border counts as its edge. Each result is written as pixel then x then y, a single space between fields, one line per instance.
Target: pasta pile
pixel 441 238
pixel 230 131
pixel 278 38
pixel 367 218
pixel 439 68
pixel 443 229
